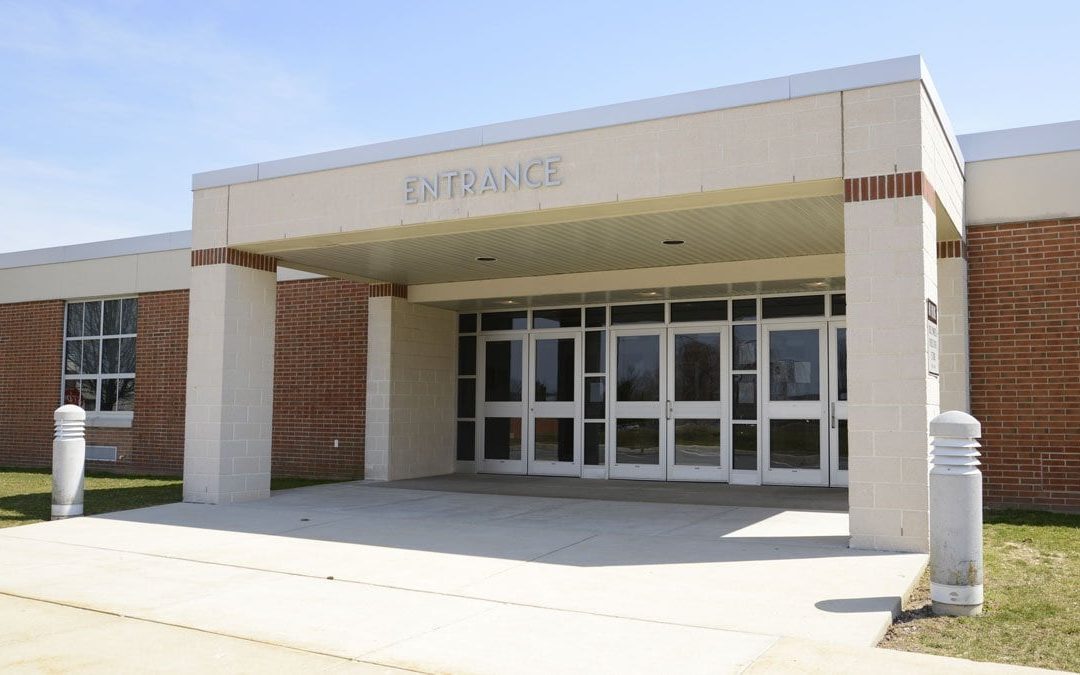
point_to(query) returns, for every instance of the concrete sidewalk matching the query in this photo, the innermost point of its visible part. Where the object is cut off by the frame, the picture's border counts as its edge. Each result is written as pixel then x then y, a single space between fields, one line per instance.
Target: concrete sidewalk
pixel 351 575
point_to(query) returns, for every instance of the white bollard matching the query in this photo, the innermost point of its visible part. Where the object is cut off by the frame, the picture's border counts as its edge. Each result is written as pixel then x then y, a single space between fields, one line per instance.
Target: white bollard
pixel 956 545
pixel 68 462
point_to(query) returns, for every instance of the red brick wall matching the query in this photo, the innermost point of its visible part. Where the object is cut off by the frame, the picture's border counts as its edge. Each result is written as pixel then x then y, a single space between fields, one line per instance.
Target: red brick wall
pixel 31 346
pixel 320 374
pixel 1024 306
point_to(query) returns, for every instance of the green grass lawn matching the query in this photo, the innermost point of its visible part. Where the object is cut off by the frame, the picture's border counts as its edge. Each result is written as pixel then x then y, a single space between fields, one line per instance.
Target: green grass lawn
pixel 1032 590
pixel 26 494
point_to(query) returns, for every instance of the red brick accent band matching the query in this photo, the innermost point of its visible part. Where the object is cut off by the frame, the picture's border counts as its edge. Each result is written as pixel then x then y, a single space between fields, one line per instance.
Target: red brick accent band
pixel 950 249
pixel 223 255
pixel 889 186
pixel 389 290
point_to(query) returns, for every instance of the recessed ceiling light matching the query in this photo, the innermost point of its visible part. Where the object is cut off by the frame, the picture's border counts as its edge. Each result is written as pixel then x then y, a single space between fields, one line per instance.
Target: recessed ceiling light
pixel 508 302
pixel 673 242
pixel 485 258
pixel 648 294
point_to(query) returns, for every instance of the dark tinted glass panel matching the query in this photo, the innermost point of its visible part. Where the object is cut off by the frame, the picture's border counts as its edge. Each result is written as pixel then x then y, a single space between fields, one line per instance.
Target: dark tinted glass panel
pixel 793 365
pixel 697 442
pixel 88 391
pixel 557 318
pixel 697 367
pixel 621 314
pixel 638 365
pixel 110 356
pixel 90 355
pixel 596 351
pixel 108 394
pixel 129 315
pixel 744 397
pixel 841 432
pixel 744 447
pixel 74 319
pixel 466 397
pixel 839 305
pixel 795 444
pixel 555 370
pixel 127 355
pixel 743 310
pixel 466 355
pixel 593 444
pixel 708 310
pixel 73 357
pixel 554 439
pixel 502 379
pixel 595 317
pixel 795 305
pixel 594 398
pixel 503 321
pixel 92 318
pixel 502 438
pixel 466 441
pixel 111 319
pixel 744 347
pixel 841 364
pixel 466 323
pixel 637 441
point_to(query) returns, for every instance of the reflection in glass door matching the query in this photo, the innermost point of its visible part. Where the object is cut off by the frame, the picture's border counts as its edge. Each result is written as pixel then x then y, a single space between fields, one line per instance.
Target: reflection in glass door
pixel 838 398
pixel 502 401
pixel 554 407
pixel 795 431
pixel 637 395
pixel 697 430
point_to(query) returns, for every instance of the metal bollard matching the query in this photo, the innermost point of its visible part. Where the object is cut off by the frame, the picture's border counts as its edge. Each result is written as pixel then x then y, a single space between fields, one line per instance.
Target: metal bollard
pixel 956 545
pixel 68 462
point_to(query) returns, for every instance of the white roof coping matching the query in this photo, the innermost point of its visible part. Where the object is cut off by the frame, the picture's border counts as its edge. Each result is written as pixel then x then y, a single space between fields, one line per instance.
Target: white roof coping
pixel 858 76
pixel 1036 140
pixel 151 243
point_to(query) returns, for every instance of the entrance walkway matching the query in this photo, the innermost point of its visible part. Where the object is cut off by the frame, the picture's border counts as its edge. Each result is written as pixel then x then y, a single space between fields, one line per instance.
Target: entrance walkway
pixel 671 492
pixel 453 581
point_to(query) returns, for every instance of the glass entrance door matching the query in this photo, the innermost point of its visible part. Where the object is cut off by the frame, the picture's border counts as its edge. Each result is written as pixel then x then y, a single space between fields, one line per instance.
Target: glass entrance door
pixel 838 398
pixel 554 407
pixel 637 392
pixel 502 397
pixel 795 431
pixel 697 425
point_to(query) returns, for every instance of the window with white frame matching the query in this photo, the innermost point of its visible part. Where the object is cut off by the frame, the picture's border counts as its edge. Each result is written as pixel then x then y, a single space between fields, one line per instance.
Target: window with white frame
pixel 99 354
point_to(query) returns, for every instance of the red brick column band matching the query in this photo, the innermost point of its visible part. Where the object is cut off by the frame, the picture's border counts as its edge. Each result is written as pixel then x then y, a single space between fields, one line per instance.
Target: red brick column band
pixel 889 186
pixel 389 290
pixel 224 255
pixel 950 249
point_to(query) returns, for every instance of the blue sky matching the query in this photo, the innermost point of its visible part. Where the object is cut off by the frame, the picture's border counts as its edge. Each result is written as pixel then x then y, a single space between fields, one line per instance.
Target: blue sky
pixel 107 108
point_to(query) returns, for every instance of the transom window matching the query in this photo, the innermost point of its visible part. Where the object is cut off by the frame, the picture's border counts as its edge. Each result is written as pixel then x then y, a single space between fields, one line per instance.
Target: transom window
pixel 99 354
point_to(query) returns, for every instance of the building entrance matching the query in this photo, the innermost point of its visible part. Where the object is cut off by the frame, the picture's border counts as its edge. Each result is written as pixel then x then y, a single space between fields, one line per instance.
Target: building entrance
pixel 712 390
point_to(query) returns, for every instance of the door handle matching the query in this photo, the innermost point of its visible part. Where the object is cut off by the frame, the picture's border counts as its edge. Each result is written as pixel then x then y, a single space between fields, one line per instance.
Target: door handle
pixel 670 410
pixel 832 414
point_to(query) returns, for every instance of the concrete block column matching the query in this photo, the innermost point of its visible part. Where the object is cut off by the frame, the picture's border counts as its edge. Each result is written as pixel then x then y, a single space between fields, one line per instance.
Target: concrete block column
pixel 411 380
pixel 953 311
pixel 230 377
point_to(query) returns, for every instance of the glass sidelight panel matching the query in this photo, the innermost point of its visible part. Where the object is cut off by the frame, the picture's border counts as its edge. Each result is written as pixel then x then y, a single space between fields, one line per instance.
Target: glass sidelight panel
pixel 842 444
pixel 594 398
pixel 502 438
pixel 594 444
pixel 554 439
pixel 841 364
pixel 554 370
pixel 744 397
pixel 595 351
pixel 794 365
pixel 502 376
pixel 637 441
pixel 744 347
pixel 638 366
pixel 795 444
pixel 744 447
pixel 697 367
pixel 697 442
pixel 466 441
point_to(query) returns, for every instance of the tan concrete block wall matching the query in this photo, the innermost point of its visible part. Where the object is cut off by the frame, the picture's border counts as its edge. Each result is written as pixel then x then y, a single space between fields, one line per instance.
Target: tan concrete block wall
pixel 769 143
pixel 882 129
pixel 377 427
pixel 940 165
pixel 953 326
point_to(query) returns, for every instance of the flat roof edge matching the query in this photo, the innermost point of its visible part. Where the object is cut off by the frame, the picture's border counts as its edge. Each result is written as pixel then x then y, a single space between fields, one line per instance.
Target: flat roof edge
pixel 1040 139
pixel 876 73
pixel 150 243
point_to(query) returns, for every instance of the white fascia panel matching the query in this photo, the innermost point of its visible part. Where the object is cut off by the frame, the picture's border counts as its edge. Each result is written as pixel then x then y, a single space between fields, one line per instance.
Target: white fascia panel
pixel 1037 140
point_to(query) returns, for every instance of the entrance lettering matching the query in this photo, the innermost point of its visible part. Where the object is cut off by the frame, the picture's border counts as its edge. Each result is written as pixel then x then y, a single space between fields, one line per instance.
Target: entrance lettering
pixel 536 173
